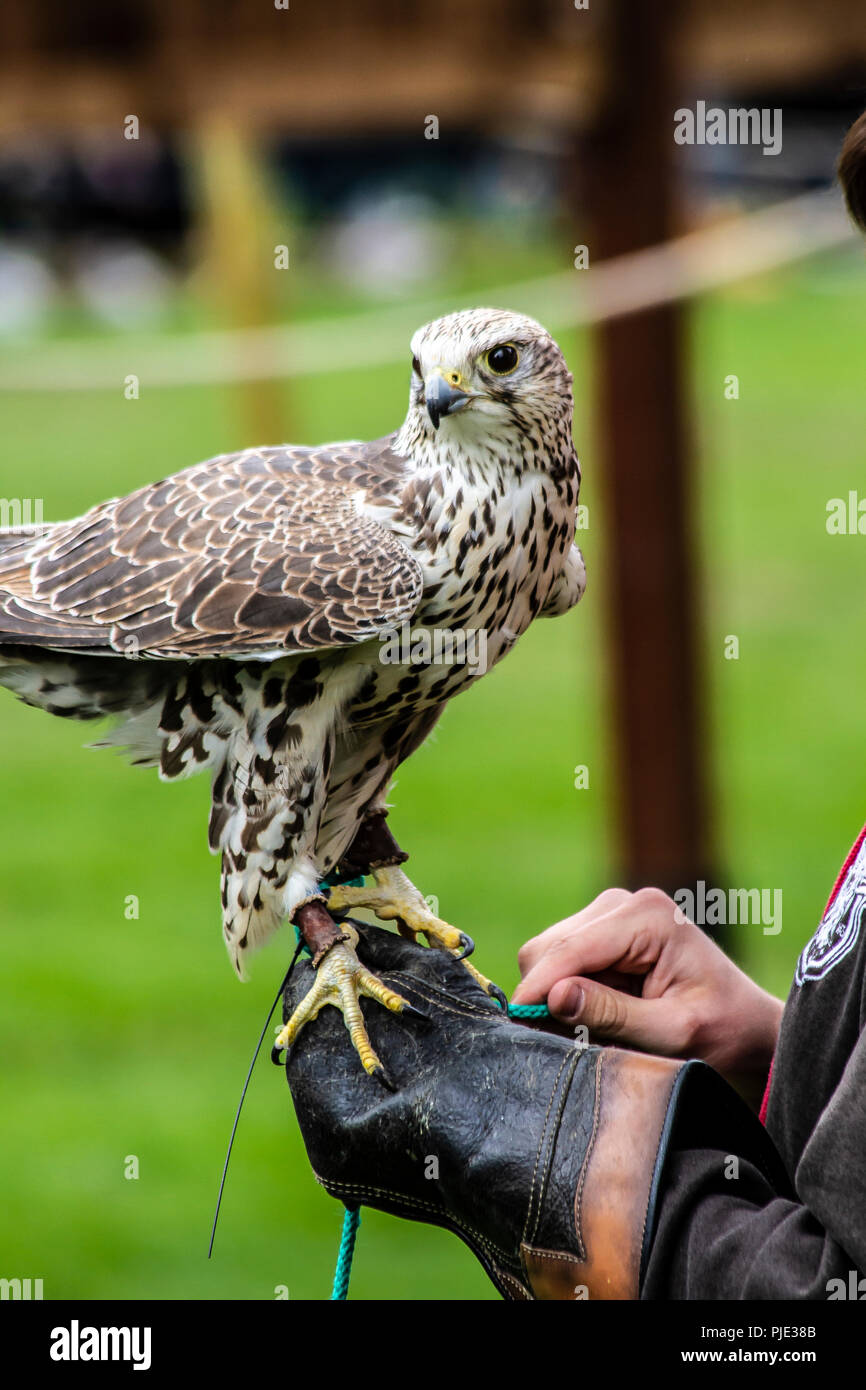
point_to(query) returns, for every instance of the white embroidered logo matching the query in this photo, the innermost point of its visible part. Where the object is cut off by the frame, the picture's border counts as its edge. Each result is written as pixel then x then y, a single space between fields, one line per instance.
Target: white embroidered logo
pixel 840 925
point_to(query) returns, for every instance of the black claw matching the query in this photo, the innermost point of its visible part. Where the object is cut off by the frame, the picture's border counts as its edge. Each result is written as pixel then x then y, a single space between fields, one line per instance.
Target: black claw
pixel 467 946
pixel 499 996
pixel 413 1012
pixel 381 1075
pixel 278 1056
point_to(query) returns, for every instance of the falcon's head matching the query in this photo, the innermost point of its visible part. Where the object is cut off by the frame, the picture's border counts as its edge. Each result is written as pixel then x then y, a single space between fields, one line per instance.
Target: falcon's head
pixel 485 378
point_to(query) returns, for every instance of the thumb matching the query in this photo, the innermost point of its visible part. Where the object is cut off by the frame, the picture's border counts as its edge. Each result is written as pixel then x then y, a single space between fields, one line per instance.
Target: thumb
pixel 613 1015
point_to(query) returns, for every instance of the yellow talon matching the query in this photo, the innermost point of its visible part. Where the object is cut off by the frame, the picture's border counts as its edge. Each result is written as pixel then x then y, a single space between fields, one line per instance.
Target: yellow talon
pixel 487 985
pixel 394 896
pixel 341 980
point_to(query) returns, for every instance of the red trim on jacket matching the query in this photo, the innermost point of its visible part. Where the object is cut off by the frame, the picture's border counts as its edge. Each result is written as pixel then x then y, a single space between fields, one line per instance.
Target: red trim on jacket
pixel 840 879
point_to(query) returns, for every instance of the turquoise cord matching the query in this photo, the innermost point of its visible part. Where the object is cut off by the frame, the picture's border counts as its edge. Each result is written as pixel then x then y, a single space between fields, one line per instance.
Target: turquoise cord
pixel 343 1272
pixel 347 883
pixel 528 1011
pixel 352 1215
pixel 324 886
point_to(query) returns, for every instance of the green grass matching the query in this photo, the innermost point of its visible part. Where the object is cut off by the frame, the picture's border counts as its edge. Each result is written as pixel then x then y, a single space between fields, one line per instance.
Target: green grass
pixel 128 1037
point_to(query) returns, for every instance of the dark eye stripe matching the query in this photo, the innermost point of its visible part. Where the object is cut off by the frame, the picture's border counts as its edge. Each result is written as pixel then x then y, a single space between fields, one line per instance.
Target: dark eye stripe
pixel 416 366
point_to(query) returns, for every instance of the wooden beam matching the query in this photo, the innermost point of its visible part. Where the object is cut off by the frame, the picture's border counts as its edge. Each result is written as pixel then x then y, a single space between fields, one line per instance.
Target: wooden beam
pixel 237 224
pixel 645 468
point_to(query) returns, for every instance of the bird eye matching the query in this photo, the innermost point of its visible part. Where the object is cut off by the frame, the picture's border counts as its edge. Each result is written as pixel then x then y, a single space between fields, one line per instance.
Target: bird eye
pixel 416 366
pixel 503 359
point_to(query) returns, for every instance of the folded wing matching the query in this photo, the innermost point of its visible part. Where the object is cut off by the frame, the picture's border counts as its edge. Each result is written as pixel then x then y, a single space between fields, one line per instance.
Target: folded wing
pixel 247 554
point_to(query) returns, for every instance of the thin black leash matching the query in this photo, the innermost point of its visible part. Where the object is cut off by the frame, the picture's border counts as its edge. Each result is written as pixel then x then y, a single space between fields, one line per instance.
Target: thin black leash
pixel 279 996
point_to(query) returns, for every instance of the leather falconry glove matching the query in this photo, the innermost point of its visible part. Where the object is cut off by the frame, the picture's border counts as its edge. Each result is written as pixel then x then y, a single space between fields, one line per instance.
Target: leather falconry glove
pixel 546 1157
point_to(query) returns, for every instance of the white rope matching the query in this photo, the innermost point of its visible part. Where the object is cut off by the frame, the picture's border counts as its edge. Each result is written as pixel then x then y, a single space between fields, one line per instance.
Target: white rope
pixel 679 269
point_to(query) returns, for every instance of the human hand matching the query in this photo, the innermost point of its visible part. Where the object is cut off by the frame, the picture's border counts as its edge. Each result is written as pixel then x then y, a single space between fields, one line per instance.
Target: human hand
pixel 634 970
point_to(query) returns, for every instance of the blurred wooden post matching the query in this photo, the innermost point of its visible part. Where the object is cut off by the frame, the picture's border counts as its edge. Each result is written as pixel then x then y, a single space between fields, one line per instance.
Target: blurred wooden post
pixel 239 231
pixel 641 425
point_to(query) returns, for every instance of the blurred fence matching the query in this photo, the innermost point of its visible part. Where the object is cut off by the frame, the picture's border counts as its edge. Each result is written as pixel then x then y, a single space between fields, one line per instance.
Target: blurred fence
pixel 679 269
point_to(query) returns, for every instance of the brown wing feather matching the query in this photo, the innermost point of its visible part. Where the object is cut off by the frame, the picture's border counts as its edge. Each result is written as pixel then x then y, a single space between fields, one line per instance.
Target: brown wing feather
pixel 245 553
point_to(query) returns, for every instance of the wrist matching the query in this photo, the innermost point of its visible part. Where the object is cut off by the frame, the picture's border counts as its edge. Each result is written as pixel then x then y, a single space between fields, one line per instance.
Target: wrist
pixel 748 1068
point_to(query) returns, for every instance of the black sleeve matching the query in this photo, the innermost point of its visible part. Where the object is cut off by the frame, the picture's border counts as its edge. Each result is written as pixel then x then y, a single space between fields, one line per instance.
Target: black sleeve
pixel 727 1238
pixel 730 1229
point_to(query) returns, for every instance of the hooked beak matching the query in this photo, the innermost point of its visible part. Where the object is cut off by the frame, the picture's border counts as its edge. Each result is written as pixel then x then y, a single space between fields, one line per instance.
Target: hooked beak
pixel 442 399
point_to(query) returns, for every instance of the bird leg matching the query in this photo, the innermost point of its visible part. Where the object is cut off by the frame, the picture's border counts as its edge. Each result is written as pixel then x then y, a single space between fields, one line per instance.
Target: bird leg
pixel 318 928
pixel 373 847
pixel 341 980
pixel 394 898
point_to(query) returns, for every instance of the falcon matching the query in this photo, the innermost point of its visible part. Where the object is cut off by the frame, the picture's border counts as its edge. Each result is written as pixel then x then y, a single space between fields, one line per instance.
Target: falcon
pixel 240 618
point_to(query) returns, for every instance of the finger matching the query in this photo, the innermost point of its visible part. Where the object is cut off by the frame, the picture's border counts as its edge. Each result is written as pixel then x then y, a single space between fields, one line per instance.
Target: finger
pixel 621 940
pixel 532 951
pixel 652 1025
